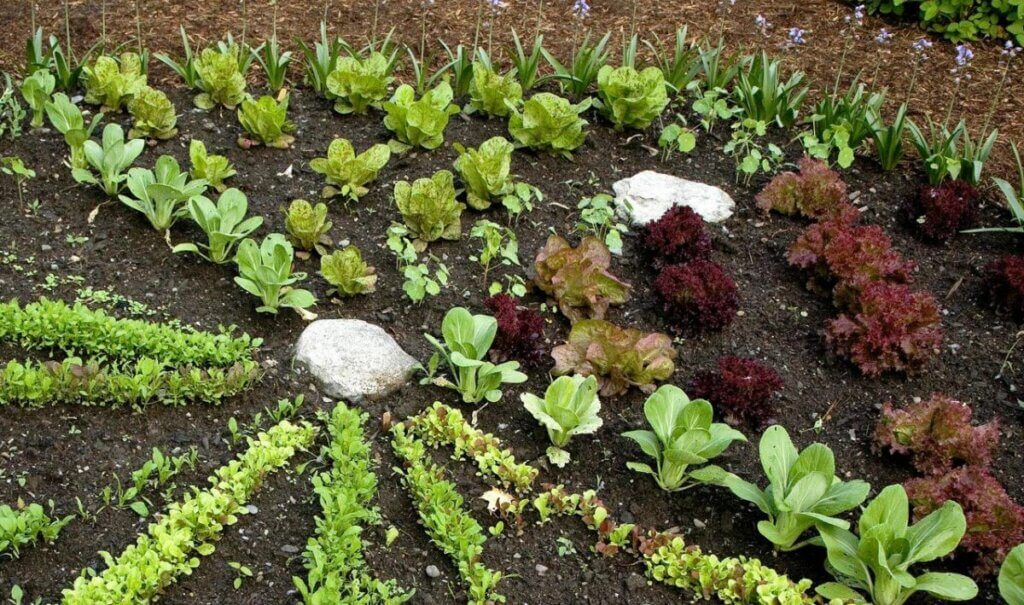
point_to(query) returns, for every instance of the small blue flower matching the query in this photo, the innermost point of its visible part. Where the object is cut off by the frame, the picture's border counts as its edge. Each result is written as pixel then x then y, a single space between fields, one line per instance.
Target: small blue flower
pixel 796 35
pixel 581 9
pixel 921 45
pixel 884 36
pixel 762 23
pixel 964 55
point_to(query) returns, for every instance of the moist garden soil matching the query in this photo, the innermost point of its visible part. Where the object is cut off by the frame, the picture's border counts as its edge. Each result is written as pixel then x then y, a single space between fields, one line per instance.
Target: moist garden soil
pixel 73 452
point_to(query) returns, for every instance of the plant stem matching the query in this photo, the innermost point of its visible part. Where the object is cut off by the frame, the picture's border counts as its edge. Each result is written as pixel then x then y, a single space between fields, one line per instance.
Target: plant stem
pixel 373 27
pixel 138 26
pixel 479 21
pixel 842 63
pixel 632 20
pixel 327 10
pixel 103 23
pixel 423 34
pixel 67 27
pixel 245 20
pixel 540 16
pixel 274 26
pixel 996 98
pixel 952 102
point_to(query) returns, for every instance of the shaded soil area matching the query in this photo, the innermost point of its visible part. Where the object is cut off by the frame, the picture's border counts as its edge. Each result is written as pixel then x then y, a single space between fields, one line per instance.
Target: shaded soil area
pixel 833 51
pixel 70 452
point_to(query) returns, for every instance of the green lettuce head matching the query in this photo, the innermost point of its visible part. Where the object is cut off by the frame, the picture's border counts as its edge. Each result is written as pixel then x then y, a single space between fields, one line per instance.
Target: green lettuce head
pixel 485 171
pixel 631 98
pixel 220 78
pixel 420 123
pixel 551 123
pixel 429 208
pixel 110 82
pixel 154 115
pixel 489 91
pixel 359 84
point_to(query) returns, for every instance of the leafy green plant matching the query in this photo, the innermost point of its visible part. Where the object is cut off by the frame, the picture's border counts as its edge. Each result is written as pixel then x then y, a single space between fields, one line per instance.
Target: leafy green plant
pixel 803 490
pixel 587 62
pixel 419 281
pixel 219 77
pixel 527 64
pixel 683 437
pixel 321 59
pixel 680 67
pixel 27 525
pixel 631 98
pixel 599 217
pixel 307 225
pixel 266 121
pixel 717 69
pixel 110 159
pixel 165 552
pixel 161 194
pixel 419 122
pixel 490 92
pixel 888 139
pixel 212 168
pixel 549 122
pixel 498 243
pixel 357 83
pixel 878 561
pixel 467 338
pixel 337 571
pixel 1014 199
pixel 944 156
pixel 676 137
pixel 458 70
pixel 713 105
pixel 486 171
pixel 578 278
pixel 763 95
pixel 265 271
pixel 347 273
pixel 12 114
pixel 186 69
pixel 746 149
pixel 110 82
pixel 36 90
pixel 274 63
pixel 1011 577
pixel 348 174
pixel 224 225
pixel 570 407
pixel 618 357
pixel 153 115
pixel 15 167
pixel 429 208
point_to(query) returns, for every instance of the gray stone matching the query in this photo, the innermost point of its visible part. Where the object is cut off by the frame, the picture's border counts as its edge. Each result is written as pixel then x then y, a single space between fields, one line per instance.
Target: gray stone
pixel 433 571
pixel 651 194
pixel 352 359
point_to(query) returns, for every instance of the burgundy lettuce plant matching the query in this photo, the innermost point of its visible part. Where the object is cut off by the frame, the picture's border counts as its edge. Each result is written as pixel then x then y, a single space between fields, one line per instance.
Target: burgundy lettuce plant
pixel 741 388
pixel 1004 285
pixel 816 191
pixel 677 237
pixel 892 328
pixel 520 331
pixel 697 296
pixel 942 211
pixel 578 278
pixel 618 357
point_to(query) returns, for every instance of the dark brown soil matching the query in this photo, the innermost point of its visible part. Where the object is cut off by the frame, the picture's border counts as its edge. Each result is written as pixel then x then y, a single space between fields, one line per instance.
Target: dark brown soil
pixel 68 453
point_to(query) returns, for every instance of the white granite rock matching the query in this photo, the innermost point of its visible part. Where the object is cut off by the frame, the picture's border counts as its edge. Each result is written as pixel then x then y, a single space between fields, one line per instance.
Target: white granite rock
pixel 352 359
pixel 652 194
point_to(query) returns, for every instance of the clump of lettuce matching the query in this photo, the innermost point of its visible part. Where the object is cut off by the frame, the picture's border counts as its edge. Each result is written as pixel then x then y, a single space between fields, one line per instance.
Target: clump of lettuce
pixel 347 173
pixel 153 115
pixel 220 78
pixel 212 168
pixel 631 98
pixel 618 357
pixel 110 82
pixel 491 93
pixel 347 273
pixel 419 122
pixel 429 208
pixel 358 84
pixel 549 122
pixel 486 171
pixel 266 121
pixel 578 278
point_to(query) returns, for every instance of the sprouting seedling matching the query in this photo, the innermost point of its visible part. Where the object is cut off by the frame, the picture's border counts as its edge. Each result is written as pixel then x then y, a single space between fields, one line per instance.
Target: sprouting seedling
pixel 15 167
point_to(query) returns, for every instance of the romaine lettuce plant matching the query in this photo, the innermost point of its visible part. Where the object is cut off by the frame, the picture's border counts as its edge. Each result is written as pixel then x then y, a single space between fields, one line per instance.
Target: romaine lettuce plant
pixel 36 89
pixel 160 194
pixel 803 490
pixel 220 78
pixel 578 278
pixel 224 225
pixel 631 98
pixel 356 84
pixel 265 271
pixel 570 407
pixel 212 168
pixel 683 436
pixel 347 273
pixel 491 93
pixel 306 224
pixel 1011 577
pixel 110 82
pixel 549 122
pixel 266 121
pixel 110 159
pixel 347 173
pixel 618 357
pixel 429 208
pixel 153 115
pixel 467 338
pixel 878 561
pixel 67 119
pixel 485 171
pixel 419 122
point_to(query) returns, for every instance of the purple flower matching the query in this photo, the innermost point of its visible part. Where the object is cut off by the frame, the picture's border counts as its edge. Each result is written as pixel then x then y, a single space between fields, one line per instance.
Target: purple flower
pixel 1009 50
pixel 858 14
pixel 581 9
pixel 762 23
pixel 964 55
pixel 884 36
pixel 921 45
pixel 796 35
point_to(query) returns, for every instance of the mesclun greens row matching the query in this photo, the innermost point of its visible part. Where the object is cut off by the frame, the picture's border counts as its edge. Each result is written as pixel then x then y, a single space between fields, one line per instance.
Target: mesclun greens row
pixel 79 330
pixel 172 546
pixel 443 514
pixel 337 570
pixel 27 525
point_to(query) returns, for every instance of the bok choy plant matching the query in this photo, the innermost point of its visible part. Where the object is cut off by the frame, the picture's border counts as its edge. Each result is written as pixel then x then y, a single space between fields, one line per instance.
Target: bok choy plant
pixel 160 194
pixel 265 271
pixel 570 407
pixel 224 225
pixel 109 159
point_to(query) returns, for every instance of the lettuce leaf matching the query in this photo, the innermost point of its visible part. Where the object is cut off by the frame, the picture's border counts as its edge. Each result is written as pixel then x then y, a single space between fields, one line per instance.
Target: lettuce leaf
pixel 549 122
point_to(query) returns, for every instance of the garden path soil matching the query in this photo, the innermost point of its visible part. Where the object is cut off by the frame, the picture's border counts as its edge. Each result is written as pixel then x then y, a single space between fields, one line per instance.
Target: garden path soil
pixel 66 453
